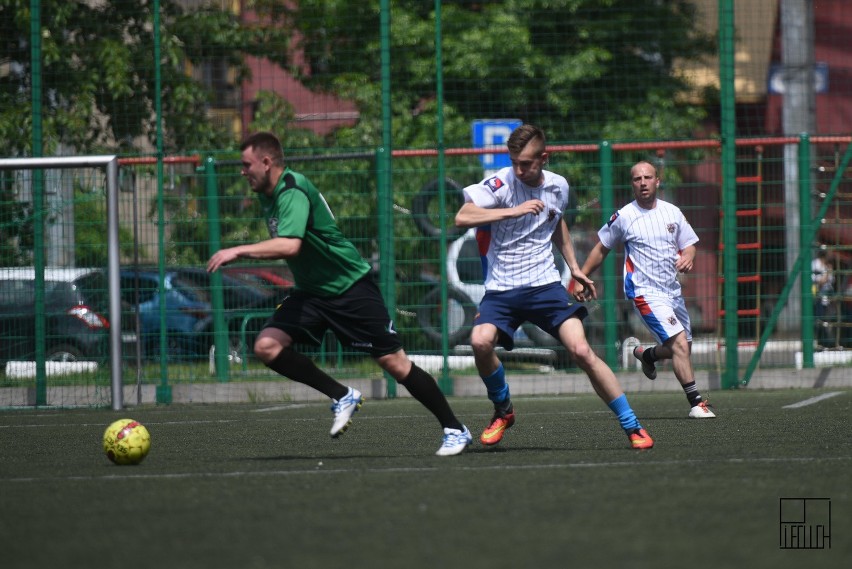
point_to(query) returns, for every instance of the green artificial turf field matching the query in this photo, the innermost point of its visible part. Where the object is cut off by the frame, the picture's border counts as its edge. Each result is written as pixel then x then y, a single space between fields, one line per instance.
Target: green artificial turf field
pixel 255 486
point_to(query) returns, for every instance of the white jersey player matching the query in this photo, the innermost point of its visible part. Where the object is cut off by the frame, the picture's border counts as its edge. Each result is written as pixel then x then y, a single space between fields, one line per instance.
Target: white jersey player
pixel 658 243
pixel 653 240
pixel 518 216
pixel 518 252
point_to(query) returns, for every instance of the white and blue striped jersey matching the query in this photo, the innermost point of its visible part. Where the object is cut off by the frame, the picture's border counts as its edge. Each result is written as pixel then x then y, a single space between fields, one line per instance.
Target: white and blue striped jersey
pixel 518 252
pixel 653 239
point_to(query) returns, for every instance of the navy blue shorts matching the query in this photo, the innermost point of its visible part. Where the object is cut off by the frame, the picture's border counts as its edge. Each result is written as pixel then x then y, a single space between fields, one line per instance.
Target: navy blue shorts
pixel 358 317
pixel 545 306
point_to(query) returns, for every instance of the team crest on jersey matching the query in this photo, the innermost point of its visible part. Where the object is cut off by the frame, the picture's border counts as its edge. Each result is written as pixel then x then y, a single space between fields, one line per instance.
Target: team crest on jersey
pixel 551 214
pixel 272 226
pixel 612 219
pixel 671 227
pixel 494 183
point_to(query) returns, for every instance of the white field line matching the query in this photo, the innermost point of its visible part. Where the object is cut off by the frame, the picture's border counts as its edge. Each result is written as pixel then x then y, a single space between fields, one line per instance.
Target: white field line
pixel 321 419
pixel 123 478
pixel 283 407
pixel 813 400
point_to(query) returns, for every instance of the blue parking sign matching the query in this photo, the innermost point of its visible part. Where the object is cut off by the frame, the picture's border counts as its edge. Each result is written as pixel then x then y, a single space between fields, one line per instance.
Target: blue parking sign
pixel 494 132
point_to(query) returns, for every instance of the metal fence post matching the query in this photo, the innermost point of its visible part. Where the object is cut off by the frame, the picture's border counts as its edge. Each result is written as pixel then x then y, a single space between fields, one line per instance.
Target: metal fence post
pixel 608 269
pixel 729 190
pixel 806 236
pixel 217 295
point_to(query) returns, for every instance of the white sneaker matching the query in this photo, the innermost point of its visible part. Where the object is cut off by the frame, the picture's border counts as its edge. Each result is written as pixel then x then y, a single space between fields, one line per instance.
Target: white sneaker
pixel 344 409
pixel 454 441
pixel 701 411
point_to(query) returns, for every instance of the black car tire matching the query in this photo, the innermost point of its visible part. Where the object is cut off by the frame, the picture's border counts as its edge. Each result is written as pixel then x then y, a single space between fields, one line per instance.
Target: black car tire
pixel 63 353
pixel 420 208
pixel 429 320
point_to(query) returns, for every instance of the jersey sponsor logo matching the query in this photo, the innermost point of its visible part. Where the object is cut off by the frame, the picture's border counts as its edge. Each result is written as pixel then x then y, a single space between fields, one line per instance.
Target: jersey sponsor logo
pixel 612 219
pixel 671 227
pixel 272 226
pixel 361 344
pixel 494 183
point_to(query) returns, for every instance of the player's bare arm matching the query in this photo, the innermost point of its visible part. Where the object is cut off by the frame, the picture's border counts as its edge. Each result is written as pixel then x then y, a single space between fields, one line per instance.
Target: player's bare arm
pixel 562 239
pixel 686 259
pixel 593 261
pixel 270 249
pixel 471 215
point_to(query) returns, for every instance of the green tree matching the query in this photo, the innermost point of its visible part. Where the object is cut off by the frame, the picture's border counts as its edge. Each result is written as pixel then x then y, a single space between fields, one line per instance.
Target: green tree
pixel 98 80
pixel 581 69
pixel 98 73
pixel 584 70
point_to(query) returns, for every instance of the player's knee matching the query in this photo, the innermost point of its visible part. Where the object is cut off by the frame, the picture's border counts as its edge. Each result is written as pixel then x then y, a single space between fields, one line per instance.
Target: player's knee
pixel 397 364
pixel 267 349
pixel 481 343
pixel 581 353
pixel 680 346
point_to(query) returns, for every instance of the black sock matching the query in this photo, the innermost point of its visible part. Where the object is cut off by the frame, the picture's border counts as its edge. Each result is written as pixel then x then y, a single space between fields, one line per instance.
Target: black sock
pixel 692 394
pixel 650 355
pixel 504 407
pixel 301 368
pixel 424 388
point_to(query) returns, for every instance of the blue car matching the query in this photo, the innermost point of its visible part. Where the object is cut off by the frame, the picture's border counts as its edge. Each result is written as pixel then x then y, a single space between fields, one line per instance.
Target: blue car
pixel 189 314
pixel 186 318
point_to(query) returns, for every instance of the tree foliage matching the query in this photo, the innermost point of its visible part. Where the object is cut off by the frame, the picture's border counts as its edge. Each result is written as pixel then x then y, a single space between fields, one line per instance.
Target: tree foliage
pixel 581 69
pixel 98 73
pixel 584 70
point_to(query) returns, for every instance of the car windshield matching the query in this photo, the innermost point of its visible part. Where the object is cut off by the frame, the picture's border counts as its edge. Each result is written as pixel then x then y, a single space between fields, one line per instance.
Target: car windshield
pixel 191 291
pixel 237 293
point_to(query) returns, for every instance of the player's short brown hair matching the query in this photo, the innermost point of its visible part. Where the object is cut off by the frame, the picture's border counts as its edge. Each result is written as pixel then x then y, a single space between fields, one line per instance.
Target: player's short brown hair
pixel 265 143
pixel 522 136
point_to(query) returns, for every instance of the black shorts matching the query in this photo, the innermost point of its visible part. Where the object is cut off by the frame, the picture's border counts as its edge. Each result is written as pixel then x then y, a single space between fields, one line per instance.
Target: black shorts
pixel 358 317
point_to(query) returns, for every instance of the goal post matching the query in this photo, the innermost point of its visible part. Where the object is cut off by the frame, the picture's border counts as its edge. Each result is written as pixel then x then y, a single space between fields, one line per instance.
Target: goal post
pixel 109 164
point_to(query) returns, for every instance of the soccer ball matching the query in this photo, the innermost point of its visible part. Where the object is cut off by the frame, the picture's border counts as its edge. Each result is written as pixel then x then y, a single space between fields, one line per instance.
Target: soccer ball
pixel 127 442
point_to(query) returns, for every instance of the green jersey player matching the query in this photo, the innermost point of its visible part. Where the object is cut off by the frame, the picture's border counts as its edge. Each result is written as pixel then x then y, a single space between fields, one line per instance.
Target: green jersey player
pixel 333 291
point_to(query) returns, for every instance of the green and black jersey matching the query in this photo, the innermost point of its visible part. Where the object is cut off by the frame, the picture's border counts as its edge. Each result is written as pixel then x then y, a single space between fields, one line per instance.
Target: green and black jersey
pixel 328 263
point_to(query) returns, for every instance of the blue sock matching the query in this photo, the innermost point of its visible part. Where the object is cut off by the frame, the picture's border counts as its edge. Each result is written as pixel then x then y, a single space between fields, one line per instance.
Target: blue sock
pixel 625 413
pixel 498 389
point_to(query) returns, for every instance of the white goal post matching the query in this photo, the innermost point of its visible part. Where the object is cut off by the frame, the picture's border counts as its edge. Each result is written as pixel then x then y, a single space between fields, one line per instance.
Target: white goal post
pixel 110 166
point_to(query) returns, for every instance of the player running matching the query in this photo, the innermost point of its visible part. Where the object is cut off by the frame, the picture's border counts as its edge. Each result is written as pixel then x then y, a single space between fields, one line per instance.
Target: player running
pixel 333 290
pixel 658 244
pixel 518 213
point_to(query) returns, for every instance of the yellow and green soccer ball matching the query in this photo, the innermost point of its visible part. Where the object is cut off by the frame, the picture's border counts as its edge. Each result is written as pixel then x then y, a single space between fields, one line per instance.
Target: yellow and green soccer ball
pixel 127 442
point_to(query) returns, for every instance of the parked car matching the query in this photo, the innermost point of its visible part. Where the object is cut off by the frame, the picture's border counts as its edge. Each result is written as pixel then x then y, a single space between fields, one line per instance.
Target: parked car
pixel 189 308
pixel 75 308
pixel 240 294
pixel 186 311
pixel 246 307
pixel 274 279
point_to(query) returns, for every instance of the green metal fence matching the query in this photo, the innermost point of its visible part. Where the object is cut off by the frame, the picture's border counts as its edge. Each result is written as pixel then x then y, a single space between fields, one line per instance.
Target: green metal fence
pixel 379 104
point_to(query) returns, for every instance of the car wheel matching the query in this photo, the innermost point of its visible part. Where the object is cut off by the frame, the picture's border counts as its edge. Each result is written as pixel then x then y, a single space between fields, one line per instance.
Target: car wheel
pixel 424 212
pixel 63 353
pixel 461 312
